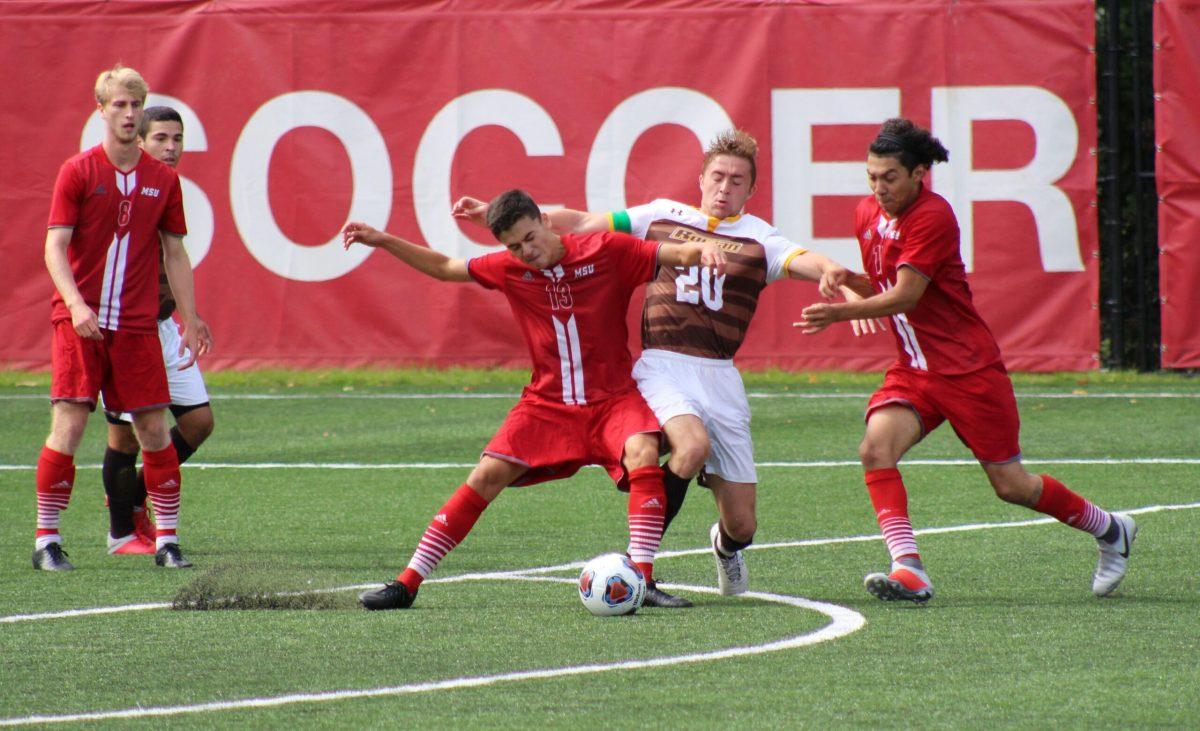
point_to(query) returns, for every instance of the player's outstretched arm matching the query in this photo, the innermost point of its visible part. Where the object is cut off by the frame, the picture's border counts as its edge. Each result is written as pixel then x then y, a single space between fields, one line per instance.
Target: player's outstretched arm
pixel 83 319
pixel 910 286
pixel 423 259
pixel 571 221
pixel 195 336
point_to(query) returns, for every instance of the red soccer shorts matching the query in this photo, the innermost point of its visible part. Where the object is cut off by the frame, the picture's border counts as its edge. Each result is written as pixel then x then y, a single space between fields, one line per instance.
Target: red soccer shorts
pixel 126 367
pixel 979 405
pixel 554 440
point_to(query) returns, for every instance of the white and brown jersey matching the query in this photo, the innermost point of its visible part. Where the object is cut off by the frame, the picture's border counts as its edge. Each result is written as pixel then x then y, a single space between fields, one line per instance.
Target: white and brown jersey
pixel 689 310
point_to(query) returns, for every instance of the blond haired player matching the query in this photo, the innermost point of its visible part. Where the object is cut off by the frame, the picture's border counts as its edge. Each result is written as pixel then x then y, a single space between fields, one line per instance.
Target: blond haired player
pixel 110 205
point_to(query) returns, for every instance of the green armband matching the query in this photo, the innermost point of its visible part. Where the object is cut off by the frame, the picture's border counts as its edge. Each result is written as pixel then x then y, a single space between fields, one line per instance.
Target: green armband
pixel 619 221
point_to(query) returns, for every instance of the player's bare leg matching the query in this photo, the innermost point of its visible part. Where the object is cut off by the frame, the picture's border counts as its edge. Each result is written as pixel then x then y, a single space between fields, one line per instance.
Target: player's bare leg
pixel 123 492
pixel 689 451
pixel 647 510
pixel 891 431
pixel 1114 533
pixel 447 529
pixel 195 425
pixel 733 532
pixel 160 467
pixel 55 479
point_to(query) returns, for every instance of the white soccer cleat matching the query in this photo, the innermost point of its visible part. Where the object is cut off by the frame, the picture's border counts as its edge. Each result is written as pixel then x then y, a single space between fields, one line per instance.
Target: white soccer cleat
pixel 905 583
pixel 732 578
pixel 1114 557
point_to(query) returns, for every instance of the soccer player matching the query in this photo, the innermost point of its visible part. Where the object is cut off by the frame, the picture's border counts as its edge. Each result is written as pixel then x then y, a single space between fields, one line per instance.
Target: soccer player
pixel 569 295
pixel 130 529
pixel 948 366
pixel 113 207
pixel 693 322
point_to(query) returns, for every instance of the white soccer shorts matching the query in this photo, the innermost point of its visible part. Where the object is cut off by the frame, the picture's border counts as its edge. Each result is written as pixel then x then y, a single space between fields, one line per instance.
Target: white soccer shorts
pixel 186 387
pixel 675 384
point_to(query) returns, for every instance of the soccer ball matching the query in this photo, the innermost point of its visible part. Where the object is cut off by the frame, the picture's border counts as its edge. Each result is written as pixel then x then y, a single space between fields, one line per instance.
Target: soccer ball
pixel 611 584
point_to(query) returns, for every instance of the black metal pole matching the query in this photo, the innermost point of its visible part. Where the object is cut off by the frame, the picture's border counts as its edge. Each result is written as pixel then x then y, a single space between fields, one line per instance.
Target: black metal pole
pixel 1146 251
pixel 1110 187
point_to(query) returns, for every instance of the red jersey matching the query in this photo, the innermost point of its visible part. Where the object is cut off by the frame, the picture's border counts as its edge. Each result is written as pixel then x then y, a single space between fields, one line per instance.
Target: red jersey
pixel 943 333
pixel 573 315
pixel 114 249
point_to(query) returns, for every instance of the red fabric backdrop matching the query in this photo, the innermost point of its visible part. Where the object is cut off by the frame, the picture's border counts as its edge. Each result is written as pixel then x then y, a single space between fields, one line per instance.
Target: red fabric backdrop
pixel 300 114
pixel 1177 171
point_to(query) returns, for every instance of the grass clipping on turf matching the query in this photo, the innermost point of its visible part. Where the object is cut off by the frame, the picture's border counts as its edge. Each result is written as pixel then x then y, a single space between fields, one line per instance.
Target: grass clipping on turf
pixel 243 587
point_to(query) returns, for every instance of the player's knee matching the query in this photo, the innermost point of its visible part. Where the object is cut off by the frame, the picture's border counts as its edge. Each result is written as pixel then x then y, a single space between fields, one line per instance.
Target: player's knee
pixel 875 456
pixel 689 456
pixel 640 453
pixel 121 439
pixel 197 426
pixel 1013 489
pixel 740 527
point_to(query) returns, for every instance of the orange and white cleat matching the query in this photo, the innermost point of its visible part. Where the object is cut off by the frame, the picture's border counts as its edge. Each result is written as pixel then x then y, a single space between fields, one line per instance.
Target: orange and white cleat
pixel 143 525
pixel 904 583
pixel 131 545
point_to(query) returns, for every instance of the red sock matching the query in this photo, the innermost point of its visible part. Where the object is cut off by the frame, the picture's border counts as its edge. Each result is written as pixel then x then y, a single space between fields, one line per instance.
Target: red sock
pixel 161 471
pixel 55 477
pixel 447 529
pixel 647 511
pixel 1061 503
pixel 890 500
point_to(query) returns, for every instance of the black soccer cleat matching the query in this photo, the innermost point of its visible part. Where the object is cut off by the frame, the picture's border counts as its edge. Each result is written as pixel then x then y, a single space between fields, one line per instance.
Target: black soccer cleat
pixel 656 597
pixel 51 558
pixel 171 557
pixel 393 595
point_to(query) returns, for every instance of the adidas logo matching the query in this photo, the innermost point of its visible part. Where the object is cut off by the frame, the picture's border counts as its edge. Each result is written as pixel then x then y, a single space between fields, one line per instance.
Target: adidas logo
pixel 441 518
pixel 64 485
pixel 168 485
pixel 100 190
pixel 527 276
pixel 652 503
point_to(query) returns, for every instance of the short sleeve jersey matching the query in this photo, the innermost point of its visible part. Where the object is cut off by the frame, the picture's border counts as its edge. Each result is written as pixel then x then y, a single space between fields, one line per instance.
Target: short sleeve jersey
pixel 572 316
pixel 688 310
pixel 115 249
pixel 943 333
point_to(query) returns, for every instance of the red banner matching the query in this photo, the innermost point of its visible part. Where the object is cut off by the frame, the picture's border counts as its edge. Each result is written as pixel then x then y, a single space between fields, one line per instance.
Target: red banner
pixel 300 115
pixel 1177 172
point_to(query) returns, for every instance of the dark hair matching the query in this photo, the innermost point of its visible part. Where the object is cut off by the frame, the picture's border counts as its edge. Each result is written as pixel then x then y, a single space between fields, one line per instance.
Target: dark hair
pixel 157 114
pixel 508 208
pixel 912 145
pixel 736 143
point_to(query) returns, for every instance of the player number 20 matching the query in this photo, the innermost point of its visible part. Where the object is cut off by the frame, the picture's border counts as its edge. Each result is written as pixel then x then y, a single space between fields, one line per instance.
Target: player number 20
pixel 695 283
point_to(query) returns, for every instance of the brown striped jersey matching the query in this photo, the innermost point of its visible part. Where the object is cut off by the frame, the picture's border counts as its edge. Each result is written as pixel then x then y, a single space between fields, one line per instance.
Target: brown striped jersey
pixel 689 310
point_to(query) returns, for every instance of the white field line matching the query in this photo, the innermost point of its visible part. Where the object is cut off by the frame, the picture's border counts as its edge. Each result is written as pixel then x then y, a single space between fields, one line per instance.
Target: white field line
pixel 468 465
pixel 844 621
pixel 452 395
pixel 576 565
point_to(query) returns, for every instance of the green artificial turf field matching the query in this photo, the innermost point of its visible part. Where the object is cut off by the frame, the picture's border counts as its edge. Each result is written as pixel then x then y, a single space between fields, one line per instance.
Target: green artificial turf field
pixel 326 481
